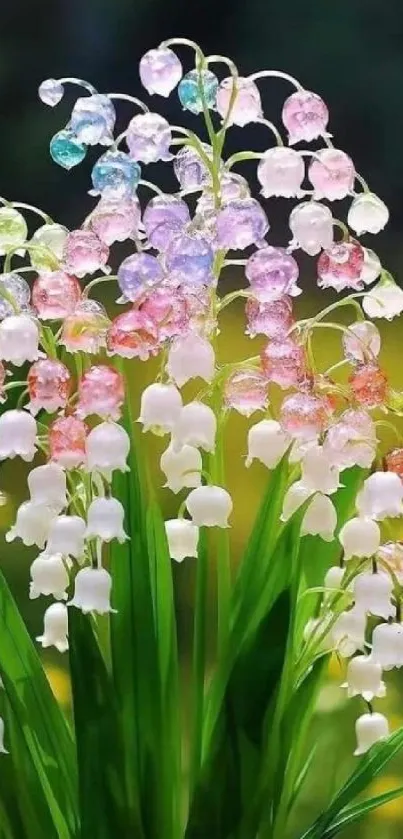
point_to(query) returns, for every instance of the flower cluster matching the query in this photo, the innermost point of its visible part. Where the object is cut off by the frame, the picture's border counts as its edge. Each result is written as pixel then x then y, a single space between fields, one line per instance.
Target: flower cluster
pixel 71 404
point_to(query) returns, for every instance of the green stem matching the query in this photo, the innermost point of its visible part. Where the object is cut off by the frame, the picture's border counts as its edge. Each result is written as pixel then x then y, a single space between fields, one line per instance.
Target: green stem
pixel 217 470
pixel 199 660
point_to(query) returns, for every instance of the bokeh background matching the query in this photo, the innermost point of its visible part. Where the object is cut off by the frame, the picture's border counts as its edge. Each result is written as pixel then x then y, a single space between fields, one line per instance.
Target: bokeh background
pixel 351 53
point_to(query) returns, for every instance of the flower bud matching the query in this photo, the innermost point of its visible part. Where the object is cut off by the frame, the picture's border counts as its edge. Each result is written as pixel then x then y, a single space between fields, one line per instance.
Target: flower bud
pixel 19 339
pixel 369 385
pixel 101 391
pixel 47 486
pixel 305 115
pixel 387 645
pixel 334 578
pixel 385 300
pixel 31 525
pixel 67 437
pixel 17 435
pixel 190 357
pixel 160 408
pixel 182 536
pixel 196 426
pixel 320 518
pixel 267 442
pixel 49 576
pixel 364 678
pixel 149 137
pixel 381 496
pixel 56 627
pixel 360 537
pixel 92 591
pixel 370 729
pixel 348 633
pixel 312 227
pixel 181 468
pixel 372 594
pixel 367 214
pixel 209 506
pixel 107 447
pixel 105 520
pixel 66 536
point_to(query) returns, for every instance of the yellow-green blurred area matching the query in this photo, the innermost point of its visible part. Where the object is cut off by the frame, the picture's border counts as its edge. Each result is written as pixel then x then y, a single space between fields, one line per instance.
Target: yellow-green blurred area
pixel 333 726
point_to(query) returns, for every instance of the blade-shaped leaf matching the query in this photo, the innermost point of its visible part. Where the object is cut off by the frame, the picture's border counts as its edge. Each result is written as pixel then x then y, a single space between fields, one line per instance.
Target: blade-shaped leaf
pixel 352 814
pixel 45 731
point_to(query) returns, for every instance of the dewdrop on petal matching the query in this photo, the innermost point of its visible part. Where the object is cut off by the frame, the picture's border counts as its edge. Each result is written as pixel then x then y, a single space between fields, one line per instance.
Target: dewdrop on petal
pixel 360 537
pixel 385 300
pixel 372 594
pixel 304 415
pixel 209 506
pixel 92 591
pixel 67 436
pixel 181 468
pixel 273 319
pixel 13 230
pixel 267 442
pixel 101 391
pixel 364 678
pixel 320 518
pixel 281 172
pixel 369 385
pixel 198 89
pixel 340 266
pixel 370 729
pixel 107 447
pixel 283 362
pixel 55 295
pixel 348 632
pixel 182 536
pixel 305 116
pixel 66 536
pixel 387 645
pixel 196 426
pixel 160 408
pixel 247 105
pixel 191 357
pixel 240 223
pixel 272 273
pixel 84 253
pixel 160 71
pixel 332 174
pixel 149 137
pixel 17 435
pixel 311 224
pixel 381 496
pixel 32 524
pixel 246 391
pixel 47 485
pixel 55 628
pixel 105 518
pixel 49 576
pixel 367 214
pixel 66 149
pixel 19 339
pixel 49 385
pixel 361 341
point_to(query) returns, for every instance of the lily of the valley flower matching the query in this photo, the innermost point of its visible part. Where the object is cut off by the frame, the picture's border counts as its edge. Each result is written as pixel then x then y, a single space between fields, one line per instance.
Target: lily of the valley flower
pixel 107 447
pixel 17 435
pixel 55 628
pixel 267 442
pixel 160 408
pixel 209 506
pixel 370 729
pixel 364 678
pixel 105 518
pixel 181 468
pixel 47 486
pixel 381 496
pixel 360 537
pixel 182 536
pixel 92 591
pixel 196 426
pixel 191 357
pixel 66 536
pixel 49 576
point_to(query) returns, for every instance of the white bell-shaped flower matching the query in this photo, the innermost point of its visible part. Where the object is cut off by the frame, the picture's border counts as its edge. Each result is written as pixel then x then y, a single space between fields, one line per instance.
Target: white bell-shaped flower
pixel 209 506
pixel 360 538
pixel 160 408
pixel 370 729
pixel 385 300
pixel 196 426
pixel 267 442
pixel 66 536
pixel 295 496
pixel 364 678
pixel 19 339
pixel 361 341
pixel 281 172
pixel 352 440
pixel 107 447
pixel 381 496
pixel 183 537
pixel 372 594
pixel 320 518
pixel 92 591
pixel 181 468
pixel 387 645
pixel 311 224
pixel 31 525
pixel 55 628
pixel 367 214
pixel 348 632
pixel 191 357
pixel 3 749
pixel 47 486
pixel 318 473
pixel 49 575
pixel 372 267
pixel 17 435
pixel 334 578
pixel 105 519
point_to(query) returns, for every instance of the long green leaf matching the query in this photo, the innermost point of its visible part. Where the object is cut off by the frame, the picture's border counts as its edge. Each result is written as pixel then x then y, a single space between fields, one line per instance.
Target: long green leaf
pixel 39 717
pixel 352 814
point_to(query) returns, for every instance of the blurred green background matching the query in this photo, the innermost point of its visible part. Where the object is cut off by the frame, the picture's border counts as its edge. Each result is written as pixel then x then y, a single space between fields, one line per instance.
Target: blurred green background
pixel 351 53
